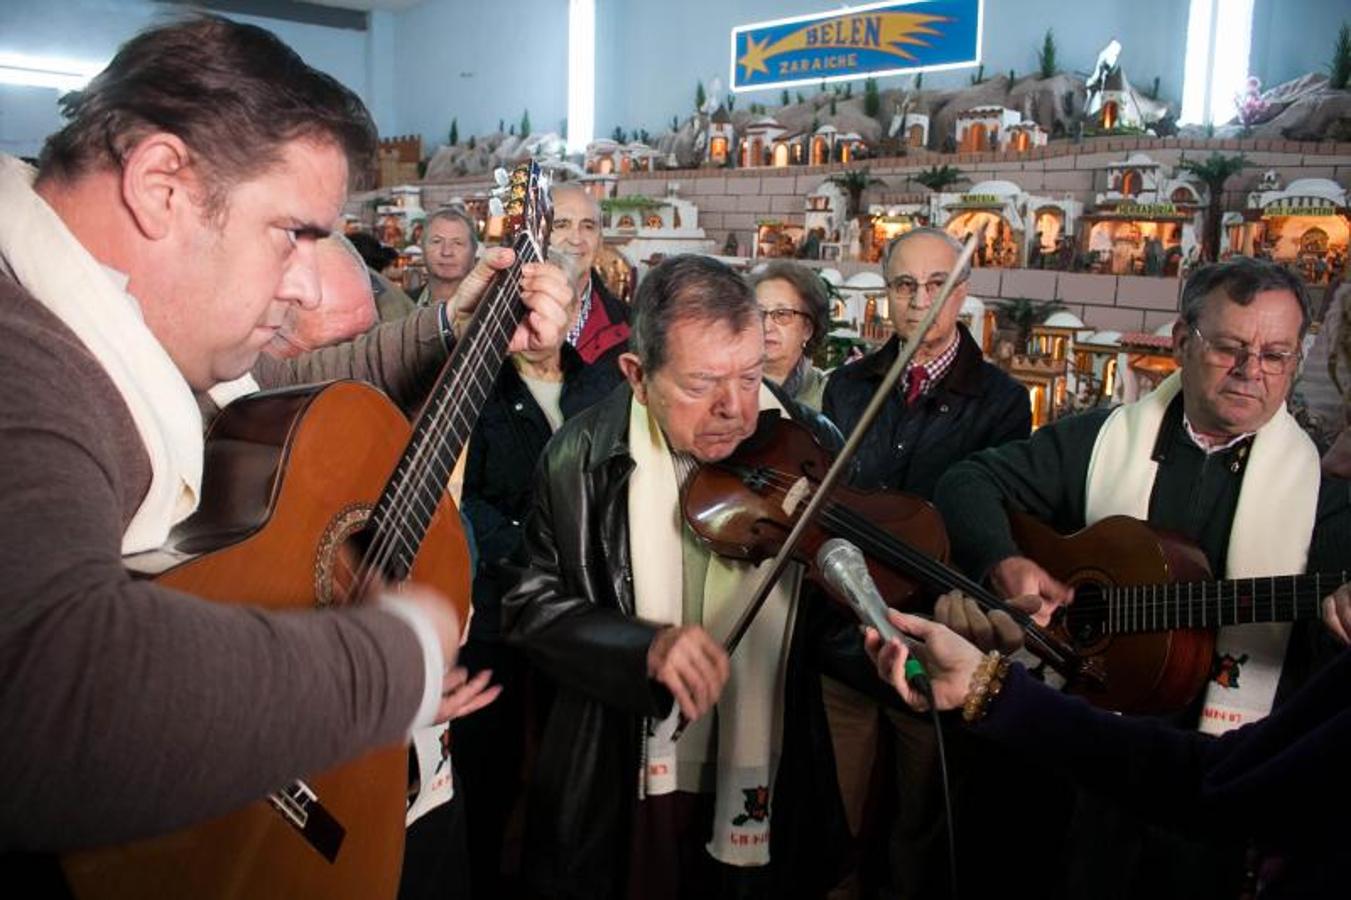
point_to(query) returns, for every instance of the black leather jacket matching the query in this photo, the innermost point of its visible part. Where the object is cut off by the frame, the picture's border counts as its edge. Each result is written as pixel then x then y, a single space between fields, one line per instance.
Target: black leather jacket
pixel 573 614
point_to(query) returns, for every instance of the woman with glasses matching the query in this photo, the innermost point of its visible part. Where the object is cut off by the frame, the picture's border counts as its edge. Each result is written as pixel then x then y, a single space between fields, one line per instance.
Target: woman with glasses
pixel 797 317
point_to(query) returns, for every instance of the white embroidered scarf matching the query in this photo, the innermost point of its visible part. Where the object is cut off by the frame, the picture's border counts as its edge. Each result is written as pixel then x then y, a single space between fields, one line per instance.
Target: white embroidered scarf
pixel 1270 535
pixel 749 714
pixel 51 264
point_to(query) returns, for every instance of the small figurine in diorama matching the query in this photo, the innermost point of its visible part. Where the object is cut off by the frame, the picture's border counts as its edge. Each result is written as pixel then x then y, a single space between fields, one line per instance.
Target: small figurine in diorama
pixel 1154 256
pixel 730 247
pixel 811 244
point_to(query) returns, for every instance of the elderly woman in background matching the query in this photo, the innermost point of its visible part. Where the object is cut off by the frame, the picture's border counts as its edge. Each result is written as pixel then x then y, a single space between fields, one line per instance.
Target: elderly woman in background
pixel 797 317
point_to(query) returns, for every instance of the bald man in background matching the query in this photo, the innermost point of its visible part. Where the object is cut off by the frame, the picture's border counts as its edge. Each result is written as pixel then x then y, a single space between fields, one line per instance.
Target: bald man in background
pixel 346 307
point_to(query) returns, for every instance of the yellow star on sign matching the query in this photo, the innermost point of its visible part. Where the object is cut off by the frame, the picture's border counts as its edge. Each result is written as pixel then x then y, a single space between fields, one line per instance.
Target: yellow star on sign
pixel 754 60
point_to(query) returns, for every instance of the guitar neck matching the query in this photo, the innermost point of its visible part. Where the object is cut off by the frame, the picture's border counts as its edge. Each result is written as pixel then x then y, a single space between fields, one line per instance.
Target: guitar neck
pixel 404 511
pixel 1138 609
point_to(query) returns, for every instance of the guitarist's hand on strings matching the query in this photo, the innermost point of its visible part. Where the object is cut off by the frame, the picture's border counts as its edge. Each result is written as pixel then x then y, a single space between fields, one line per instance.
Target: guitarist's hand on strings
pixel 1018 576
pixel 1337 613
pixel 993 631
pixel 545 290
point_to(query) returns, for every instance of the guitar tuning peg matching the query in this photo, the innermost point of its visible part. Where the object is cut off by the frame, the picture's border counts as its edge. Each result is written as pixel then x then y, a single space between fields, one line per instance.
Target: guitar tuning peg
pixel 501 177
pixel 495 207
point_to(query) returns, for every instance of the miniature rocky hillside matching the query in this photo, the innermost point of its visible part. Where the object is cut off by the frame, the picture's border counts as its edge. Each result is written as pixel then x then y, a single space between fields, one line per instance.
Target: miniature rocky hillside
pixel 1305 109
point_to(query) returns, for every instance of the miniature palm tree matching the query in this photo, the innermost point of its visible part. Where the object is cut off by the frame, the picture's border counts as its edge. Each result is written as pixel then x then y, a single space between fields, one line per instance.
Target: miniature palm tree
pixel 855 182
pixel 1213 173
pixel 935 178
pixel 1022 314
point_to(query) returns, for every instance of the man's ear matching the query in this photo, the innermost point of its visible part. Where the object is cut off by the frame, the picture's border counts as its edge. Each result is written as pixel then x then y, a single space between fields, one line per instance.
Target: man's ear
pixel 157 179
pixel 1181 335
pixel 634 374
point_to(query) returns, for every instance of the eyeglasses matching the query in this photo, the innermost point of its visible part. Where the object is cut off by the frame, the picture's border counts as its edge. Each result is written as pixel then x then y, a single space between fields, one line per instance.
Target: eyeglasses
pixel 783 315
pixel 1233 355
pixel 903 287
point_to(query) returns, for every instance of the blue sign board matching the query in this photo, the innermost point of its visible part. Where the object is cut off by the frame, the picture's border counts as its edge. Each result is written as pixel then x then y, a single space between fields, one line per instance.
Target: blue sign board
pixel 856 42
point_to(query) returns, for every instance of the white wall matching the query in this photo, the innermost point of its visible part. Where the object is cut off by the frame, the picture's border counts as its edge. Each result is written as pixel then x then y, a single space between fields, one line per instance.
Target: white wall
pixel 479 62
pixel 93 30
pixel 1293 37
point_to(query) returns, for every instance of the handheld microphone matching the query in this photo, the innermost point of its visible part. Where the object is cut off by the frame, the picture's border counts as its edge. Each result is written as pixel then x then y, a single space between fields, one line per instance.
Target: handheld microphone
pixel 846 571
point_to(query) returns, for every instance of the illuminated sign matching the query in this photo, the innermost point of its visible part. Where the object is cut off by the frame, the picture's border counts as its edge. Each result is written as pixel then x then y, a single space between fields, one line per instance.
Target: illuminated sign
pixel 856 42
pixel 982 200
pixel 1276 210
pixel 1147 210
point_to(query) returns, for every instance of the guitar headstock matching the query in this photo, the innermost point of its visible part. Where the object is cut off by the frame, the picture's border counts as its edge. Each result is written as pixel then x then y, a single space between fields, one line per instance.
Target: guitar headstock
pixel 522 199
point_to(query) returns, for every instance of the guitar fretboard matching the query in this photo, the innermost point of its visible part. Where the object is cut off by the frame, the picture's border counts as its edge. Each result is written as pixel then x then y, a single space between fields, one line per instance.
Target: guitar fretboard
pixel 1200 604
pixel 404 511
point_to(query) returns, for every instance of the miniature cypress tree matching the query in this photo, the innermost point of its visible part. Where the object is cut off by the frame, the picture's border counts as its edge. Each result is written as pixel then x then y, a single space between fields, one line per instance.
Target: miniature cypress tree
pixel 501 125
pixel 525 123
pixel 849 90
pixel 731 102
pixel 470 145
pixel 980 74
pixel 832 106
pixel 919 80
pixel 1339 70
pixel 784 100
pixel 800 98
pixel 872 100
pixel 617 135
pixel 1046 55
pixel 454 132
pixel 700 98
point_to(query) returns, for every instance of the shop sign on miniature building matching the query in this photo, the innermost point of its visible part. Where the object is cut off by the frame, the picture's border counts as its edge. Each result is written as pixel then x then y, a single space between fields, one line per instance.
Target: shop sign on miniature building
pixel 856 42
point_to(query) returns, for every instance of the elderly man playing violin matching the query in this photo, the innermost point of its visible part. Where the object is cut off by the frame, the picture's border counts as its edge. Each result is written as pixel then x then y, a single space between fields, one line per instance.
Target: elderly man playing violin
pixel 1213 455
pixel 625 611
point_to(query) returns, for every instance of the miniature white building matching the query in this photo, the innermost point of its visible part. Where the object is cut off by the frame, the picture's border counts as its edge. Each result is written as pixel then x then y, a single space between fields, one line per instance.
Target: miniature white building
pixel 602 157
pixel 721 138
pixel 1304 224
pixel 1006 218
pixel 1145 222
pixel 912 129
pixel 825 209
pixel 1023 136
pixel 640 228
pixel 757 143
pixel 984 128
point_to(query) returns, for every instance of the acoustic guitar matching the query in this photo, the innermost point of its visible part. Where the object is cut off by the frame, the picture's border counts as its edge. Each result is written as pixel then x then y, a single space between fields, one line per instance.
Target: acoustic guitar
pixel 1146 608
pixel 310 494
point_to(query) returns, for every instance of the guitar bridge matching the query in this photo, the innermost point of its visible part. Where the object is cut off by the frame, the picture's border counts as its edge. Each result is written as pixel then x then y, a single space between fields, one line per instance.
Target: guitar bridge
pixel 298 804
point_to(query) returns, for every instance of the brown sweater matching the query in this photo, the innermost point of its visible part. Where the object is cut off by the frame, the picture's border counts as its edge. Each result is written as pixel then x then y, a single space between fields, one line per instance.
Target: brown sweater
pixel 128 709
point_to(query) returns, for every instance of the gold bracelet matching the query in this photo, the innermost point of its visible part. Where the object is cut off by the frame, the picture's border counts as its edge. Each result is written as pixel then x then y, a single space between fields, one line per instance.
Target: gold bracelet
pixel 986 683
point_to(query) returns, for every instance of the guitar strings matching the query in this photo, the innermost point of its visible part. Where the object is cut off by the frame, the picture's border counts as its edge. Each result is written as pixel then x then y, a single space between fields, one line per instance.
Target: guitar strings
pixel 435 423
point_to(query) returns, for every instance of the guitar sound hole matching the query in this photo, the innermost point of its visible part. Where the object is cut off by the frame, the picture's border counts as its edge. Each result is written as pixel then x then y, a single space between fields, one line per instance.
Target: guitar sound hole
pixel 339 557
pixel 1084 625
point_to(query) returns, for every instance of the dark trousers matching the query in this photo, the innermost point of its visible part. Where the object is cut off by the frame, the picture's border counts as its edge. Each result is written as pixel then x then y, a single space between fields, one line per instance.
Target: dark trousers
pixel 435 859
pixel 488 747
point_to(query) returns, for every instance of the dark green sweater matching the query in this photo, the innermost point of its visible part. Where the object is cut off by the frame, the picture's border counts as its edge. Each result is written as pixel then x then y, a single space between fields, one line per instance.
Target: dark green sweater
pixel 1194 494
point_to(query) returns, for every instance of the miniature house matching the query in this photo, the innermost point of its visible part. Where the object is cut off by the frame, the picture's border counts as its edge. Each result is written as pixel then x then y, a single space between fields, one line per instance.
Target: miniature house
pixel 1305 225
pixel 984 128
pixel 721 138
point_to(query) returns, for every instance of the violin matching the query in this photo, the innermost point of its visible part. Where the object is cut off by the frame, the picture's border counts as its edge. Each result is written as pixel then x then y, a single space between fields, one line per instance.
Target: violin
pixel 743 507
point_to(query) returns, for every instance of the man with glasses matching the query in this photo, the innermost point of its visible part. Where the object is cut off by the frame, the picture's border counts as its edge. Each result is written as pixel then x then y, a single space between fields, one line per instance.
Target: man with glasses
pixel 949 404
pixel 1212 454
